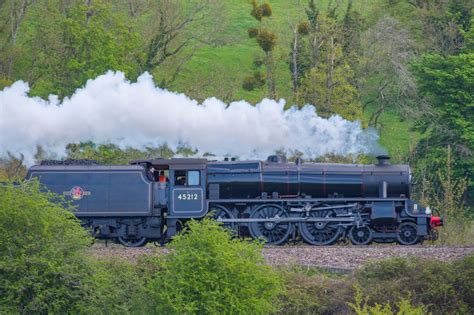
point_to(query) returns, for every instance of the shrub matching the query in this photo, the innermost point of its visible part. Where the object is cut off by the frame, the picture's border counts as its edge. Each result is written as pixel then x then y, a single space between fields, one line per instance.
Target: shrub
pixel 266 40
pixel 252 82
pixel 315 293
pixel 42 260
pixel 117 287
pixel 249 83
pixel 209 272
pixel 303 28
pixel 259 11
pixel 403 307
pixel 442 287
pixel 253 32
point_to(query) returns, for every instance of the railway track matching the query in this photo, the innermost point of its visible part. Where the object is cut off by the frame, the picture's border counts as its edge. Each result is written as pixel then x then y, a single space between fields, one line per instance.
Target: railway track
pixel 338 258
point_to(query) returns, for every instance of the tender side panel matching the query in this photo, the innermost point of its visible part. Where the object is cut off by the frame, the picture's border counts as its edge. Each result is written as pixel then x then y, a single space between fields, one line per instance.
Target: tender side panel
pixel 99 190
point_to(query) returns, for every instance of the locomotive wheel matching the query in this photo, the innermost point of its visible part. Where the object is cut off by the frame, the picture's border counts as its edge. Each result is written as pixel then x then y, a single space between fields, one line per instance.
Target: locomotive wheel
pixel 360 235
pixel 320 233
pixel 274 233
pixel 222 212
pixel 406 234
pixel 138 242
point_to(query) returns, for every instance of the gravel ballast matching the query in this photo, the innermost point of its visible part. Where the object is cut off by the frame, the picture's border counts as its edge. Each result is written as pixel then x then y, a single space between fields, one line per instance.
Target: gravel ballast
pixel 331 257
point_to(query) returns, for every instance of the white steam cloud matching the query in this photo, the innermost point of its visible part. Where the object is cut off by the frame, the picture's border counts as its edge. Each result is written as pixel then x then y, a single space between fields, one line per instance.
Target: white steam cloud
pixel 110 109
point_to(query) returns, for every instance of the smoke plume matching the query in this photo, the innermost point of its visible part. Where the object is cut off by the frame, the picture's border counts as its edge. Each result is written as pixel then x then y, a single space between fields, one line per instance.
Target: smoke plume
pixel 110 109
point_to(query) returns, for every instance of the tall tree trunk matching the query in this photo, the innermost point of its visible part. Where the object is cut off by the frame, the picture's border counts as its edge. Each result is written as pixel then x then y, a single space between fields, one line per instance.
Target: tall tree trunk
pixel 330 72
pixel 16 17
pixel 294 61
pixel 270 78
pixel 89 13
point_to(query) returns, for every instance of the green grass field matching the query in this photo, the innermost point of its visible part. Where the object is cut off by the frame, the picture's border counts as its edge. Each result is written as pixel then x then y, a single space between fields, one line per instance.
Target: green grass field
pixel 219 71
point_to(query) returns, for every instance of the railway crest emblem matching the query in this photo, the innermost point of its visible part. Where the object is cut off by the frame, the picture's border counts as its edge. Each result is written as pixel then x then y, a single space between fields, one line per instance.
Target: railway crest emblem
pixel 77 193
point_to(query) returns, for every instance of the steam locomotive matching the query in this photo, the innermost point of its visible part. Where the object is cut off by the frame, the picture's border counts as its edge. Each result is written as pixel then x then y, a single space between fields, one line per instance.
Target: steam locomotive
pixel 274 200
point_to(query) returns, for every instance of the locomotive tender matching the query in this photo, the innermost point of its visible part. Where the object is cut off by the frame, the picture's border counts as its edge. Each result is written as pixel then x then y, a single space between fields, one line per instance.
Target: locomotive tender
pixel 276 200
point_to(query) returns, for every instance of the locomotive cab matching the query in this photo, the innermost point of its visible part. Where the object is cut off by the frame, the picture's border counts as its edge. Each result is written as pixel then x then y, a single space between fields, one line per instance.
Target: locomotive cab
pixel 183 194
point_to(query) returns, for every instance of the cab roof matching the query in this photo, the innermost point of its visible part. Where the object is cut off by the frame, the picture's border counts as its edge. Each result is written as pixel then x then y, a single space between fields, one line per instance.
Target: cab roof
pixel 174 163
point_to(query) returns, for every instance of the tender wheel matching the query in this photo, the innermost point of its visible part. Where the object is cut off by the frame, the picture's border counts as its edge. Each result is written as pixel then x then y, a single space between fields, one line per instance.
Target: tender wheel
pixel 136 242
pixel 406 234
pixel 273 233
pixel 320 233
pixel 360 235
pixel 222 212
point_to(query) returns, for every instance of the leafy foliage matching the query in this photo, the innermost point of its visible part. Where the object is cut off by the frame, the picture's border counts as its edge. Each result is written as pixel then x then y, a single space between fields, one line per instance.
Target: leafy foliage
pixel 327 80
pixel 116 286
pixel 393 286
pixel 360 307
pixel 267 41
pixel 437 285
pixel 447 82
pixel 42 259
pixel 209 272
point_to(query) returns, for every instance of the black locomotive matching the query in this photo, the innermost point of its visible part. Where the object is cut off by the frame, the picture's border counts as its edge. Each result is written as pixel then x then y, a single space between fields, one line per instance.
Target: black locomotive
pixel 276 200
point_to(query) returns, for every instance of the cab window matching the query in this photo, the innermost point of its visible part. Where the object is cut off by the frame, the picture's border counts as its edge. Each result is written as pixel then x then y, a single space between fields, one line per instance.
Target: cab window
pixel 193 178
pixel 180 178
pixel 186 178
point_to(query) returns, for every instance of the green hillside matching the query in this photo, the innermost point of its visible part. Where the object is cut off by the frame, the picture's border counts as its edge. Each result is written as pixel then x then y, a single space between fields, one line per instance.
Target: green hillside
pixel 402 67
pixel 231 62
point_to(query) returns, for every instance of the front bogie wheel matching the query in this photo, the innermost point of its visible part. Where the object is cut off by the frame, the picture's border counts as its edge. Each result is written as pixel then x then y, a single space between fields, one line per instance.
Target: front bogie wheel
pixel 407 234
pixel 360 235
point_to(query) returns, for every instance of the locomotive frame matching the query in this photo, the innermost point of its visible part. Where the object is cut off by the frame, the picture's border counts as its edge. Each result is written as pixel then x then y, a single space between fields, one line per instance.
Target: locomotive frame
pixel 273 200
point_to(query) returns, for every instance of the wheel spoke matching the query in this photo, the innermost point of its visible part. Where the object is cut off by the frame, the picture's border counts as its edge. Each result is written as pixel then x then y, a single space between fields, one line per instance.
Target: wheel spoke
pixel 407 234
pixel 360 235
pixel 274 232
pixel 317 233
pixel 224 213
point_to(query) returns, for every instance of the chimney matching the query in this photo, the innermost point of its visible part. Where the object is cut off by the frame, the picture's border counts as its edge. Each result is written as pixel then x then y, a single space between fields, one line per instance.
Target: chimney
pixel 383 160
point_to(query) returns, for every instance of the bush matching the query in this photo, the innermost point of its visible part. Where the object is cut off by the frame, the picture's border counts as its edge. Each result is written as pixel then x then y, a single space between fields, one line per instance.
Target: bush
pixel 399 285
pixel 209 272
pixel 253 32
pixel 117 287
pixel 443 287
pixel 403 307
pixel 42 260
pixel 249 83
pixel 315 293
pixel 303 28
pixel 266 40
pixel 252 82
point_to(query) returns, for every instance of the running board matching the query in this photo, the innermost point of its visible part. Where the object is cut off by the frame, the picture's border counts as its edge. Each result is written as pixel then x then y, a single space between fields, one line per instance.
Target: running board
pixel 288 220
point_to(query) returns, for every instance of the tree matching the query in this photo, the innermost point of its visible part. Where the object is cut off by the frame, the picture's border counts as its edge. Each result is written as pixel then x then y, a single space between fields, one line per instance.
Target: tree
pixel 446 82
pixel 109 153
pixel 298 61
pixel 97 40
pixel 178 30
pixel 327 84
pixel 352 26
pixel 267 42
pixel 67 43
pixel 444 24
pixel 383 69
pixel 12 167
pixel 209 272
pixel 42 252
pixel 15 12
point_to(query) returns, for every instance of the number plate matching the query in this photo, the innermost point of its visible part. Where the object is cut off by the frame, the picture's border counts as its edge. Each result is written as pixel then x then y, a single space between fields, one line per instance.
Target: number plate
pixel 188 200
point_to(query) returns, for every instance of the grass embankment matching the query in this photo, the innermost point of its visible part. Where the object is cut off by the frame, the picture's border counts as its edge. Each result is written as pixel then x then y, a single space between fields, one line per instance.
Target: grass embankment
pixel 219 71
